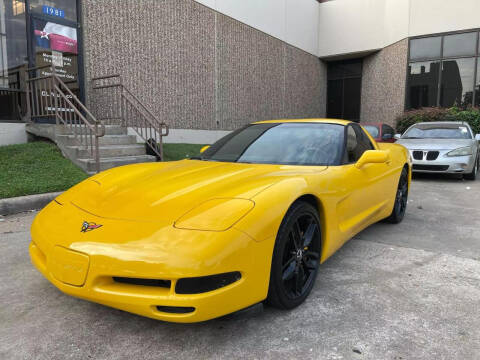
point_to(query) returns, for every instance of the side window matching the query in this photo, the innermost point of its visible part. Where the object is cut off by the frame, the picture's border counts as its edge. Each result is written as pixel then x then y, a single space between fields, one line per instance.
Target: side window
pixel 357 143
pixel 387 130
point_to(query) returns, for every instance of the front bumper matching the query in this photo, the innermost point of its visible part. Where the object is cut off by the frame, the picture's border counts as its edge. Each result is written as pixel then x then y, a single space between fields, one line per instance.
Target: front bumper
pixel 86 269
pixel 444 164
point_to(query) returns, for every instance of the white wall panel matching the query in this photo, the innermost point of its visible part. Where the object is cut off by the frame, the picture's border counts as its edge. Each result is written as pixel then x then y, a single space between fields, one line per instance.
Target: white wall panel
pixel 265 15
pixel 302 18
pixel 12 133
pixel 292 21
pixel 349 26
pixel 209 3
pixel 434 16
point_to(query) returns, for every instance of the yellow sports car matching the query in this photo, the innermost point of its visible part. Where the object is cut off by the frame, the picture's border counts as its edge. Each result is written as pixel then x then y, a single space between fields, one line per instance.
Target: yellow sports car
pixel 250 219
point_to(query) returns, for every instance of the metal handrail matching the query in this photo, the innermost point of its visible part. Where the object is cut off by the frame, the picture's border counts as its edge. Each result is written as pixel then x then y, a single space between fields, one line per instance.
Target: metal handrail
pixel 132 112
pixel 49 96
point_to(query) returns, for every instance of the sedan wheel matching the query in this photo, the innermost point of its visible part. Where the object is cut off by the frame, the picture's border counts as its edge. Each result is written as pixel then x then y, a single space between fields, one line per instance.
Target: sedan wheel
pixel 473 174
pixel 296 257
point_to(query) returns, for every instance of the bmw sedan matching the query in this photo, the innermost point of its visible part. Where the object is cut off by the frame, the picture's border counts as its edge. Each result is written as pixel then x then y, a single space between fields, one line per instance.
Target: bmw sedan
pixel 443 147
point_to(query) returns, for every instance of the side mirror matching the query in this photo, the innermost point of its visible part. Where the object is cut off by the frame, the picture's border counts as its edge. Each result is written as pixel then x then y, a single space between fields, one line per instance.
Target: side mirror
pixel 372 157
pixel 202 150
pixel 477 137
pixel 397 136
pixel 387 137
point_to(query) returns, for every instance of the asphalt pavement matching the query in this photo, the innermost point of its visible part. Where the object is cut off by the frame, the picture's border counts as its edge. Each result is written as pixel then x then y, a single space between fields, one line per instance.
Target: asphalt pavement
pixel 407 291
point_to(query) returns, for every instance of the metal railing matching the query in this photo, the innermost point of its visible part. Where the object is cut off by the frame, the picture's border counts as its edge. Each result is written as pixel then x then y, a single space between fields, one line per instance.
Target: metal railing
pixel 119 106
pixel 49 97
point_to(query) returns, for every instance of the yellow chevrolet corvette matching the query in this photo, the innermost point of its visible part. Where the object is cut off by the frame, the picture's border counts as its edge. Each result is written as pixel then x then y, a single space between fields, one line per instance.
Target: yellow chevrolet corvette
pixel 249 220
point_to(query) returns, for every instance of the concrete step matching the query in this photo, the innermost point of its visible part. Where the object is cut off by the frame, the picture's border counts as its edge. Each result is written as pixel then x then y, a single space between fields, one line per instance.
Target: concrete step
pixel 109 130
pixel 69 140
pixel 110 162
pixel 109 151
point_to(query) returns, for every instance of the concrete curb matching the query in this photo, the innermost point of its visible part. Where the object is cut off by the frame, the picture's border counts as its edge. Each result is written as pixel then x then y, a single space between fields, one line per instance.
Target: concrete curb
pixel 25 203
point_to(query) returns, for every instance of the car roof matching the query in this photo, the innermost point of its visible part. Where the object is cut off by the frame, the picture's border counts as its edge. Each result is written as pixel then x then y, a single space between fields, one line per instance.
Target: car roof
pixel 315 120
pixel 374 124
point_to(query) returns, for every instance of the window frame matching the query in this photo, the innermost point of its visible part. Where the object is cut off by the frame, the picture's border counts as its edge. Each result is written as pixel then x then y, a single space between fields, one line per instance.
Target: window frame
pixel 441 59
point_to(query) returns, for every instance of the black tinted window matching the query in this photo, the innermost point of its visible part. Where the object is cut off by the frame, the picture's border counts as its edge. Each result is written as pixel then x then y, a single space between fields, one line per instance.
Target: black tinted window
pixel 387 130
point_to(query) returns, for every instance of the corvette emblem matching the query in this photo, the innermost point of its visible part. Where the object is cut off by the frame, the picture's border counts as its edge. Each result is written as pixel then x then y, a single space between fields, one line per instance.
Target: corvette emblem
pixel 89 226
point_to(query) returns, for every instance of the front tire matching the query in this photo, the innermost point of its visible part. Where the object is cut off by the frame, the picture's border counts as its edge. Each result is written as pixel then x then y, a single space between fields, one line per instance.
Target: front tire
pixel 296 257
pixel 473 174
pixel 401 199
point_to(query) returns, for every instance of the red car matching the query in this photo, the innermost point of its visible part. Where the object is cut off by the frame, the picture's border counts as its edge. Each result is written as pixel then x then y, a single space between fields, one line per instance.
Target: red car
pixel 380 132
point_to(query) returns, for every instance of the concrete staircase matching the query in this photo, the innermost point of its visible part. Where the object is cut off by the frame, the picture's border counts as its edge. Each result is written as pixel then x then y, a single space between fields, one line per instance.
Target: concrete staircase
pixel 116 147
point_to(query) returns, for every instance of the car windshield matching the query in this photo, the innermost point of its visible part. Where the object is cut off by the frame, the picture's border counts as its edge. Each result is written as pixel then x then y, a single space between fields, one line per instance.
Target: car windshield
pixel 280 143
pixel 438 132
pixel 372 129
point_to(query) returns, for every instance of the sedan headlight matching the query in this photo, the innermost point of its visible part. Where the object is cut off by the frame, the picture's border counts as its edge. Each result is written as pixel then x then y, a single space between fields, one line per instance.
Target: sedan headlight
pixel 464 151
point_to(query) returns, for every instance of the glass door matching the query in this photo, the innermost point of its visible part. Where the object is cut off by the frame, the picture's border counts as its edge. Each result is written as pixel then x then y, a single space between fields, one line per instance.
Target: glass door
pixel 13 58
pixel 54 42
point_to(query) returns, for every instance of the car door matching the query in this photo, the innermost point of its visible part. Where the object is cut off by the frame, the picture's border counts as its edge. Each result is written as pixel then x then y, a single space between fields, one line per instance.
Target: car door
pixel 366 190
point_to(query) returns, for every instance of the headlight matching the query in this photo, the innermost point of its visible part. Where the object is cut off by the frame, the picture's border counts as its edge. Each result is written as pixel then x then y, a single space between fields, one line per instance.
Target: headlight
pixel 464 151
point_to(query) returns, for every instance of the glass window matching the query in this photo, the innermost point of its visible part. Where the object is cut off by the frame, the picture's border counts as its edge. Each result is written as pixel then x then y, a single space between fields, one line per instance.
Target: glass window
pixel 422 84
pixel 335 99
pixel 13 43
pixel 352 92
pixel 343 89
pixel 459 44
pixel 281 143
pixel 13 57
pixel 357 143
pixel 477 85
pixel 425 48
pixel 388 130
pixel 437 131
pixel 345 68
pixel 66 9
pixel 373 130
pixel 457 82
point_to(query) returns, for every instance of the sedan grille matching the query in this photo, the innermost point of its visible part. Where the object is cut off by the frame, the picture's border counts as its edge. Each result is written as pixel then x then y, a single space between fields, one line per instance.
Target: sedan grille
pixel 432 155
pixel 418 155
pixel 430 167
pixel 425 155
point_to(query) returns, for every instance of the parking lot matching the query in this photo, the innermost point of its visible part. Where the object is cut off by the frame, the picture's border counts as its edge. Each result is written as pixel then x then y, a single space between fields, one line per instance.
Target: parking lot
pixel 407 291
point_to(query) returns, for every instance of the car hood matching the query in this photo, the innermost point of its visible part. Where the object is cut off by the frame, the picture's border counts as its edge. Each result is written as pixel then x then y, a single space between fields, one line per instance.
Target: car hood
pixel 166 191
pixel 434 144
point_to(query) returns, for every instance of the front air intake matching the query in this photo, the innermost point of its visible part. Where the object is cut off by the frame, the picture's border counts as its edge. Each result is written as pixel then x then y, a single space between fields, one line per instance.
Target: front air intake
pixel 176 309
pixel 143 282
pixel 203 284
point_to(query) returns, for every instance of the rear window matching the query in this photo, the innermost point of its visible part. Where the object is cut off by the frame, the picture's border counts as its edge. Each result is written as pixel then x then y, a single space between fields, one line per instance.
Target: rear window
pixel 372 130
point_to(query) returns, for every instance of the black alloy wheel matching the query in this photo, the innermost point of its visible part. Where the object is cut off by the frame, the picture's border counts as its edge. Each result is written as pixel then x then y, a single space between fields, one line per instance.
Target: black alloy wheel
pixel 401 199
pixel 296 257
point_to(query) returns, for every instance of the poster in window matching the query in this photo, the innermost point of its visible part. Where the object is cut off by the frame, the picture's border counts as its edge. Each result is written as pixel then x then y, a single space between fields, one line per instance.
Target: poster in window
pixel 57 45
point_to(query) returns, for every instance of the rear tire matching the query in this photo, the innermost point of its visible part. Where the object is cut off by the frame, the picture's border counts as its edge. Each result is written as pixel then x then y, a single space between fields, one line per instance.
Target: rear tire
pixel 296 257
pixel 473 174
pixel 401 199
